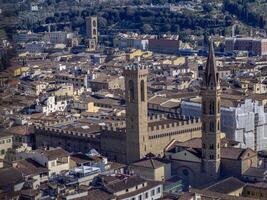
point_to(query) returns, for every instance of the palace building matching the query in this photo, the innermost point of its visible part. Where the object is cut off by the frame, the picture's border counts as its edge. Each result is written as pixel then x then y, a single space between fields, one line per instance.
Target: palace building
pixel 143 134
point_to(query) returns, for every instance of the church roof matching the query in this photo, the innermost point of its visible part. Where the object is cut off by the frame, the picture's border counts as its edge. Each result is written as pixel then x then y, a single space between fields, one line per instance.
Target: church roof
pixel 235 153
pixel 196 152
pixel 152 163
pixel 195 146
pixel 192 143
pixel 208 195
pixel 210 75
pixel 255 172
pixel 226 186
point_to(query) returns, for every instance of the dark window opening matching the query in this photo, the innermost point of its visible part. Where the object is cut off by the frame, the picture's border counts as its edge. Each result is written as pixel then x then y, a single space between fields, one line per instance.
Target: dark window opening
pixel 211 107
pixel 211 126
pixel 131 89
pixel 142 90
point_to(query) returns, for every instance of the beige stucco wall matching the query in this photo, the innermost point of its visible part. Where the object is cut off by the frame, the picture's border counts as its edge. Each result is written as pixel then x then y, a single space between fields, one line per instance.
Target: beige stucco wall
pixel 5 144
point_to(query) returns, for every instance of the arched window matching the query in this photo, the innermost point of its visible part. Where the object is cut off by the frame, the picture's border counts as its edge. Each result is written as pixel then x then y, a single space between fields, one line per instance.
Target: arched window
pixel 142 86
pixel 94 31
pixel 211 146
pixel 211 126
pixel 94 23
pixel 204 107
pixel 131 89
pixel 203 126
pixel 185 172
pixel 211 109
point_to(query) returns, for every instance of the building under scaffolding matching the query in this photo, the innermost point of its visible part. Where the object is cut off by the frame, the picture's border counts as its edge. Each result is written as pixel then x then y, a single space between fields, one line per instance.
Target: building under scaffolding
pixel 245 123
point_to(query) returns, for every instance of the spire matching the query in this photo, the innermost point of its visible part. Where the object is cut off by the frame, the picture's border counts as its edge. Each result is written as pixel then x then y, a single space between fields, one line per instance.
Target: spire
pixel 210 76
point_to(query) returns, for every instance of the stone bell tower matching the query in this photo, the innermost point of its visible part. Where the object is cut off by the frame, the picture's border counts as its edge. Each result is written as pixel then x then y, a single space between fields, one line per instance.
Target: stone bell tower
pixel 211 100
pixel 136 111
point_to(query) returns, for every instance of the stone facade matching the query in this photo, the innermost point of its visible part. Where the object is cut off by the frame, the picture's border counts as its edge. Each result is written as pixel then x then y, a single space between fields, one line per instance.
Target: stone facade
pixel 91 28
pixel 70 140
pixel 211 118
pixel 136 112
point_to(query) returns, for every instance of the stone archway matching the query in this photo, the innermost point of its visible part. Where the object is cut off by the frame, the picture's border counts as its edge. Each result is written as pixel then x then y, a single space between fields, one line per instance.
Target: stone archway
pixel 187 175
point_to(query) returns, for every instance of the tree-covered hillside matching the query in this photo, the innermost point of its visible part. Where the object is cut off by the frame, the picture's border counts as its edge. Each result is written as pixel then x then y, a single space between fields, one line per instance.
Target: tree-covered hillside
pixel 252 12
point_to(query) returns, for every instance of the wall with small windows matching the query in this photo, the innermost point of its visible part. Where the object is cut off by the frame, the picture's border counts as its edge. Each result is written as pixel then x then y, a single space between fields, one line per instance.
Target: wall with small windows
pixel 6 143
pixel 160 173
pixel 255 192
pixel 161 135
pixel 152 193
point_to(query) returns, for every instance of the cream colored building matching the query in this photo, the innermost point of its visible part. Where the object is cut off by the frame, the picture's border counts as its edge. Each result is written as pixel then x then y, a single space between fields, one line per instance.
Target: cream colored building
pixel 6 143
pixel 258 88
pixel 152 169
pixel 88 106
pixel 64 90
pixel 55 160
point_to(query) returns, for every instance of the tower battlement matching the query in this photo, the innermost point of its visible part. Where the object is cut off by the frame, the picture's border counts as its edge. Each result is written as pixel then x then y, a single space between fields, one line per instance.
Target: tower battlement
pixel 156 117
pixel 136 68
pixel 167 124
pixel 111 128
pixel 60 132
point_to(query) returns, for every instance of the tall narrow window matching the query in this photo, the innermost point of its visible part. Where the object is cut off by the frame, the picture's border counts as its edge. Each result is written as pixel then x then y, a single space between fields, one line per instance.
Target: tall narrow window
pixel 211 126
pixel 204 126
pixel 219 107
pixel 211 107
pixel 218 125
pixel 142 90
pixel 131 88
pixel 204 107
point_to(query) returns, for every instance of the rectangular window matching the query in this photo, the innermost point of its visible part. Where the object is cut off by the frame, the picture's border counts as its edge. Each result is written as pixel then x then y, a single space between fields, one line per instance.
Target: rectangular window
pixel 140 197
pixel 146 195
pixel 53 164
pixel 2 151
pixel 152 192
pixel 158 190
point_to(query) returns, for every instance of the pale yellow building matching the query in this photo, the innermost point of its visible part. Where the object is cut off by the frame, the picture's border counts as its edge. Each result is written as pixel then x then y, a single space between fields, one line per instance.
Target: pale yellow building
pixel 85 106
pixel 6 143
pixel 152 169
pixel 139 53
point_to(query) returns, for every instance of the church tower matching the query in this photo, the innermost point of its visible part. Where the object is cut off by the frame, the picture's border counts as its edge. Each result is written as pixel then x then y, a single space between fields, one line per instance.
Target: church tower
pixel 211 99
pixel 136 112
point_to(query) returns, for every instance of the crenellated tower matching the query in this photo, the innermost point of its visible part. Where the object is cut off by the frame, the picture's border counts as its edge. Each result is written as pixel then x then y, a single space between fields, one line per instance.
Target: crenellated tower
pixel 211 99
pixel 136 111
